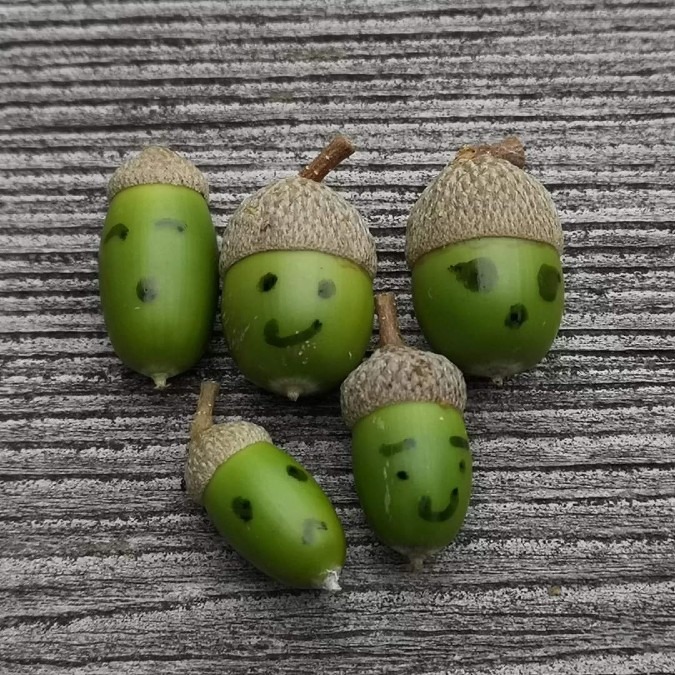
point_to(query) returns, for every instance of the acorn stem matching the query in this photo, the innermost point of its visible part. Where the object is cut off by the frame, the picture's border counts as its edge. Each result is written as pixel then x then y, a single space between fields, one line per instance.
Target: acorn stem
pixel 335 152
pixel 511 149
pixel 385 307
pixel 203 418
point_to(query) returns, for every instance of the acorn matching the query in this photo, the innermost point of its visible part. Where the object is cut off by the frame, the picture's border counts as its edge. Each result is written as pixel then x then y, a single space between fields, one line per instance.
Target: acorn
pixel 297 264
pixel 263 502
pixel 484 242
pixel 158 264
pixel 411 457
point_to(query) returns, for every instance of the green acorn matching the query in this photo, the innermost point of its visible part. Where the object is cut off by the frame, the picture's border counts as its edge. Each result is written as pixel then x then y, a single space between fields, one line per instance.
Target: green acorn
pixel 484 244
pixel 297 264
pixel 262 501
pixel 411 457
pixel 158 264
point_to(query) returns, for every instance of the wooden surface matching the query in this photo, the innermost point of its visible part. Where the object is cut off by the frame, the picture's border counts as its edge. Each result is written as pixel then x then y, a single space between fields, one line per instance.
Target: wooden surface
pixel 567 560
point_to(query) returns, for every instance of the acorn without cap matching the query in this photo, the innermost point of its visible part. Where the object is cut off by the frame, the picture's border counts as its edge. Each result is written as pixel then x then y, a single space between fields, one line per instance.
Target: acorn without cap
pixel 484 244
pixel 262 501
pixel 411 457
pixel 158 264
pixel 297 264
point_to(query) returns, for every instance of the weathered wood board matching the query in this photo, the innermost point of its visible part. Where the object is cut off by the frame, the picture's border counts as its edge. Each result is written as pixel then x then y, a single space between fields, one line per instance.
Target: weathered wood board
pixel 567 560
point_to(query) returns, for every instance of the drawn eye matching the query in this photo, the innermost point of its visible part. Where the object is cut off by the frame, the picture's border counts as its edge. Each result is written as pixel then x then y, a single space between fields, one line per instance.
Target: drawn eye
pixel 478 275
pixel 548 280
pixel 459 442
pixel 267 282
pixel 389 449
pixel 295 472
pixel 326 288
pixel 242 508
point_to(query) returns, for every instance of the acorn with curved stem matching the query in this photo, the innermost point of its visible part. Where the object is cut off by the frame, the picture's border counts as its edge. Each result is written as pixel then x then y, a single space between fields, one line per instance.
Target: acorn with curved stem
pixel 410 451
pixel 158 264
pixel 484 244
pixel 297 264
pixel 265 504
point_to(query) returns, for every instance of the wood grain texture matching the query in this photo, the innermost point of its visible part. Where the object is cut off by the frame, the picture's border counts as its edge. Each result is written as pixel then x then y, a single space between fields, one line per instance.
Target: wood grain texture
pixel 566 563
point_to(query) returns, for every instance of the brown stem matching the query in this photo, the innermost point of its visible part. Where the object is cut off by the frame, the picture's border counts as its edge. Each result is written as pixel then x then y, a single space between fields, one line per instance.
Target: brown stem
pixel 385 306
pixel 203 418
pixel 511 149
pixel 335 152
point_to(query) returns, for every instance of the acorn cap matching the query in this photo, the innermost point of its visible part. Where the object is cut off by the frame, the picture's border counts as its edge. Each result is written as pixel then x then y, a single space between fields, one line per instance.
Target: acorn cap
pixel 482 193
pixel 298 214
pixel 157 165
pixel 210 448
pixel 401 375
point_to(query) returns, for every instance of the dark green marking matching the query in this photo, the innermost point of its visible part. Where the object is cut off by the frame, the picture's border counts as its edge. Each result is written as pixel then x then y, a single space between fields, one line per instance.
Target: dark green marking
pixel 548 280
pixel 171 223
pixel 120 231
pixel 389 449
pixel 478 275
pixel 297 473
pixel 462 466
pixel 242 508
pixel 459 442
pixel 146 289
pixel 309 529
pixel 402 475
pixel 267 282
pixel 425 511
pixel 273 338
pixel 516 317
pixel 326 288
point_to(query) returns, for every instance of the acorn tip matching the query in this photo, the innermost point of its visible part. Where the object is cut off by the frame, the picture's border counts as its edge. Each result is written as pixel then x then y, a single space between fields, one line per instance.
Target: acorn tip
pixel 330 582
pixel 416 563
pixel 293 393
pixel 160 380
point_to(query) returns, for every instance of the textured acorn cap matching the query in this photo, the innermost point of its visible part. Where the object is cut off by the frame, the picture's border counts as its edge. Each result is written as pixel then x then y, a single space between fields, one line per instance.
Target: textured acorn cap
pixel 157 165
pixel 298 214
pixel 214 446
pixel 395 374
pixel 481 195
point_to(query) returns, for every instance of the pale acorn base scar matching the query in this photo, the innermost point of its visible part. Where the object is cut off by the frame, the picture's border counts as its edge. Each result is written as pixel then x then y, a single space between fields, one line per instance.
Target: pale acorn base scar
pixel 273 338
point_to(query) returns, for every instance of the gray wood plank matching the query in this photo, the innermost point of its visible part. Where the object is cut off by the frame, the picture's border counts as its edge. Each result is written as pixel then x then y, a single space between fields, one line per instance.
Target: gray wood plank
pixel 566 563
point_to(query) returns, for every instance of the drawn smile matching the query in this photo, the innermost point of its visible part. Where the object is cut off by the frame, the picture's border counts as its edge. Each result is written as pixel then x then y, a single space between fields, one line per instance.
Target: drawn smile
pixel 427 513
pixel 273 338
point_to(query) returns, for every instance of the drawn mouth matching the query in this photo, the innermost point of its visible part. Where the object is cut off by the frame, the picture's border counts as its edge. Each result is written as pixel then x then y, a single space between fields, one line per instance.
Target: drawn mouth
pixel 273 338
pixel 427 513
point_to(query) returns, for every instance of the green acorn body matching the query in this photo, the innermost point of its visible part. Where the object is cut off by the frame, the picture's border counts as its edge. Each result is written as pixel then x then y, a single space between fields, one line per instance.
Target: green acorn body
pixel 484 243
pixel 158 261
pixel 297 265
pixel 265 504
pixel 411 458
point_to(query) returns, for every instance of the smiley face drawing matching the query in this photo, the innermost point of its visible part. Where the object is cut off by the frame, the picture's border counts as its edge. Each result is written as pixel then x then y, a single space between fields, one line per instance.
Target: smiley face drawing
pixel 414 484
pixel 484 243
pixel 297 263
pixel 158 274
pixel 493 306
pixel 297 322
